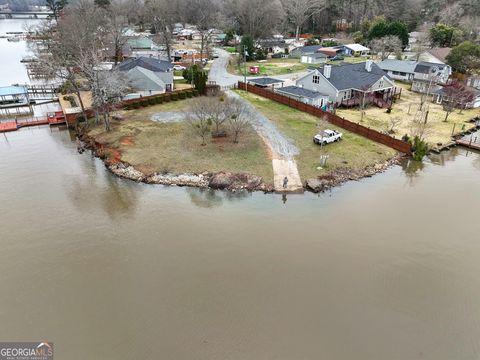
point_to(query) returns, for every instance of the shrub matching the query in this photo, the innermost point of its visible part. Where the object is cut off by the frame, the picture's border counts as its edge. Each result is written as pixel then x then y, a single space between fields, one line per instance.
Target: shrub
pixel 195 92
pixel 144 103
pixel 136 105
pixel 174 96
pixel 152 101
pixel 189 94
pixel 158 99
pixel 419 148
pixel 166 97
pixel 182 95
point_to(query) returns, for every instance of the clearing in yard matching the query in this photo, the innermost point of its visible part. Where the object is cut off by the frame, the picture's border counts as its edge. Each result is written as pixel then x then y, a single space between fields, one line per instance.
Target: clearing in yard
pixel 171 147
pixel 270 67
pixel 353 151
pixel 403 111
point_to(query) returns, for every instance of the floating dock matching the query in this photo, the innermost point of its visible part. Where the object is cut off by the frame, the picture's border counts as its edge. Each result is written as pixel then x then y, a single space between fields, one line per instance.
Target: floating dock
pixel 56 118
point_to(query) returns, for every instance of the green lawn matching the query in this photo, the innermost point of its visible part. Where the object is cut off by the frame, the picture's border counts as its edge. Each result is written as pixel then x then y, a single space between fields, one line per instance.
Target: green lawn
pixel 353 151
pixel 171 147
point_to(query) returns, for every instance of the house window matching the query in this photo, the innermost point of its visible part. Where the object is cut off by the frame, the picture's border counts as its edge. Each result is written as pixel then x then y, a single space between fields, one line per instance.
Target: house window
pixel 380 83
pixel 347 94
pixel 316 79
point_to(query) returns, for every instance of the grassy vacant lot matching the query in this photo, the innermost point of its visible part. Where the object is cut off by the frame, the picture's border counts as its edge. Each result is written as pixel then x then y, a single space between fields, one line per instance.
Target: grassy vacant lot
pixel 438 131
pixel 271 67
pixel 171 147
pixel 353 151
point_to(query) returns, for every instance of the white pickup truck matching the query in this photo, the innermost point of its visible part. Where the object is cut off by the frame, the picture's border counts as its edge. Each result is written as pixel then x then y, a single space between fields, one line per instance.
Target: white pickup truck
pixel 327 137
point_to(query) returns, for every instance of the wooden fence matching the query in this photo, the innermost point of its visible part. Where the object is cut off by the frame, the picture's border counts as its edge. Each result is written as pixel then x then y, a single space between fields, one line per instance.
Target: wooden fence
pixel 356 128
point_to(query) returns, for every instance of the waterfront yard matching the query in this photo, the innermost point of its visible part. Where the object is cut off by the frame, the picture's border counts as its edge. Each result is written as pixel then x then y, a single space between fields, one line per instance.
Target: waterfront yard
pixel 171 147
pixel 404 111
pixel 353 151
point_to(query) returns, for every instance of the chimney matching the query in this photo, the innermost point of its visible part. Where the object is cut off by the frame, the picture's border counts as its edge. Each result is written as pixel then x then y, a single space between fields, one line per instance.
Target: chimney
pixel 368 65
pixel 327 71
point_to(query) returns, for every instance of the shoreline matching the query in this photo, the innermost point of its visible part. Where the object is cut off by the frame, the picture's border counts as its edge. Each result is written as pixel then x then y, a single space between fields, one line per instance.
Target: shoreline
pixel 226 180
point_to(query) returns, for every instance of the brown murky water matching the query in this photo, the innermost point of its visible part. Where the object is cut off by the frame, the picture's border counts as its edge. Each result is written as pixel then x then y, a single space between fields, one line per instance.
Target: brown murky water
pixel 386 268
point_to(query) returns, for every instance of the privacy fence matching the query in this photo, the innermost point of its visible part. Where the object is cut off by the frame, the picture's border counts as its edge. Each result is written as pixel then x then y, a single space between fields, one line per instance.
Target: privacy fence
pixel 356 128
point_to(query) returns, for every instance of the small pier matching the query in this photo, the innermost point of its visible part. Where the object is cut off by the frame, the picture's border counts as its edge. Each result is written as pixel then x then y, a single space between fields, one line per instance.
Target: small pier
pixel 471 142
pixel 56 118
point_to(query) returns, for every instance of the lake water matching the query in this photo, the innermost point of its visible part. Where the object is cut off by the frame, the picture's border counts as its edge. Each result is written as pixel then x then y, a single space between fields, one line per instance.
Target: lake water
pixel 383 268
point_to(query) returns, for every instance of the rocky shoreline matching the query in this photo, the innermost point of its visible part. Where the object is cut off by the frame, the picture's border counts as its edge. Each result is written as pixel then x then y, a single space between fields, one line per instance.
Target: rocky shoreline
pixel 227 180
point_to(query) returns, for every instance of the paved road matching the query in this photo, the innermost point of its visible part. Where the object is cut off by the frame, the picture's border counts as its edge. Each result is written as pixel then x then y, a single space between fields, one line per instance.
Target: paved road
pixel 219 74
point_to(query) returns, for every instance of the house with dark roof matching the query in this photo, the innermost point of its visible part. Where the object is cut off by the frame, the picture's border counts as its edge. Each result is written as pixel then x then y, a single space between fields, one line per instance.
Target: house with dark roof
pixel 158 71
pixel 470 100
pixel 306 96
pixel 350 84
pixel 265 82
pixel 399 69
pixel 430 76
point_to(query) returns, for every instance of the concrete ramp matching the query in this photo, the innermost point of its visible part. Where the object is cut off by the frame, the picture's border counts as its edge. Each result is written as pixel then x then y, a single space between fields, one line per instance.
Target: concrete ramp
pixel 288 168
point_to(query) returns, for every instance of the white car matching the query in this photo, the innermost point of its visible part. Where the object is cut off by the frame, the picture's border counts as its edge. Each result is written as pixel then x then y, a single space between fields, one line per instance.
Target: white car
pixel 178 67
pixel 327 137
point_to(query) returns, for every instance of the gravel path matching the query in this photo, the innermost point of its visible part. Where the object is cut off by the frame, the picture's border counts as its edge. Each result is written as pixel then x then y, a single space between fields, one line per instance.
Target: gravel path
pixel 168 117
pixel 281 146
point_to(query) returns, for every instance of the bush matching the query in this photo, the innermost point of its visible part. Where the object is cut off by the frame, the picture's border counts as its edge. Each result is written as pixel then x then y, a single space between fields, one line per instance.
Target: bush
pixel 136 105
pixel 195 92
pixel 174 97
pixel 159 99
pixel 152 101
pixel 419 148
pixel 144 103
pixel 189 94
pixel 182 95
pixel 166 97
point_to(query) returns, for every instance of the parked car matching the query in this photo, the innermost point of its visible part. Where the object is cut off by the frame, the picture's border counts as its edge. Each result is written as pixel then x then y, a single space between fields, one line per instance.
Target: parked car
pixel 178 67
pixel 279 55
pixel 327 137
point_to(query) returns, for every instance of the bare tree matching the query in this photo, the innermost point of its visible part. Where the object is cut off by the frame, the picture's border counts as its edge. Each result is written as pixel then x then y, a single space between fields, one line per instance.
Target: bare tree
pixel 204 14
pixel 198 116
pixel 162 16
pixel 393 123
pixel 238 117
pixel 116 18
pixel 255 21
pixel 386 46
pixel 299 11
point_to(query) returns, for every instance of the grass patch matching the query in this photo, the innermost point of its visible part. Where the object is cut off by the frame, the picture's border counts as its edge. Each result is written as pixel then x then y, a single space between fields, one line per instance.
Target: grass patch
pixel 438 130
pixel 170 147
pixel 271 67
pixel 353 151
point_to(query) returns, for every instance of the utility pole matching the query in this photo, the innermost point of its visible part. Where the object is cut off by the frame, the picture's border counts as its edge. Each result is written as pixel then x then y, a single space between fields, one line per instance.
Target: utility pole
pixel 245 67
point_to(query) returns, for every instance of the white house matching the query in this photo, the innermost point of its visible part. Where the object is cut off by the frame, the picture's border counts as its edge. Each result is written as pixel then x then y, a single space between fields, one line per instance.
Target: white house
pixel 430 76
pixel 354 50
pixel 315 58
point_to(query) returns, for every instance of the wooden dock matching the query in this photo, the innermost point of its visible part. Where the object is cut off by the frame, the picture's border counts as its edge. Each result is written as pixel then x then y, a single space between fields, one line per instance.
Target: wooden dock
pixel 472 143
pixel 56 118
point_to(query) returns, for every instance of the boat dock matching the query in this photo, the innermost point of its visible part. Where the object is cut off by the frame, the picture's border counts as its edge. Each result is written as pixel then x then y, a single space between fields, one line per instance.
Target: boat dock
pixel 56 118
pixel 472 142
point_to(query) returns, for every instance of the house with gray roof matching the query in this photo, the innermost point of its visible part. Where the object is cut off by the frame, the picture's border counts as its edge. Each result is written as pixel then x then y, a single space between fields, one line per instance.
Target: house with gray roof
pixel 315 58
pixel 430 76
pixel 399 69
pixel 298 52
pixel 306 96
pixel 148 70
pixel 350 84
pixel 265 81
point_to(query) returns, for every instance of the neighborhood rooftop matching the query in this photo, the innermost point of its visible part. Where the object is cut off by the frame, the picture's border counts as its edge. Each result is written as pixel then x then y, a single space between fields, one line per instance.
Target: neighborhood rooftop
pixel 354 76
pixel 149 63
pixel 299 91
pixel 404 66
pixel 265 81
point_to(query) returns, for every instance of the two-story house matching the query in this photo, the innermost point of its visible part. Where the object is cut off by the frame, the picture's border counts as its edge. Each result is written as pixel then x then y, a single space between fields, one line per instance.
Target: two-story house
pixel 429 77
